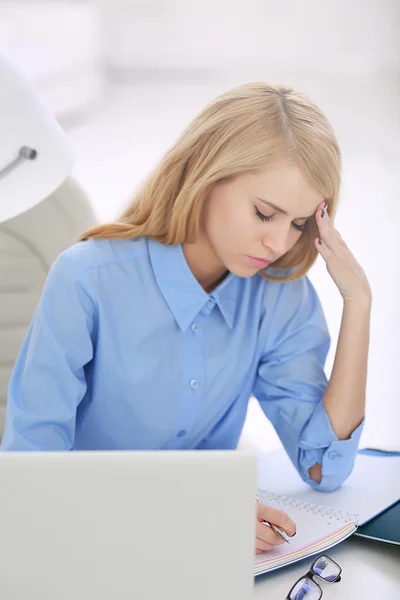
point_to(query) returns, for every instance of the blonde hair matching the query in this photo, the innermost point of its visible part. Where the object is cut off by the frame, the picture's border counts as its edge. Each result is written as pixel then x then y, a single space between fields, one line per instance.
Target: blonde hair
pixel 244 129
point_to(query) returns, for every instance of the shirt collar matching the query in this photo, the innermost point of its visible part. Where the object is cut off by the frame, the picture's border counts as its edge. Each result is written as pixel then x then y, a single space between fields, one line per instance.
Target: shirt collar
pixel 181 290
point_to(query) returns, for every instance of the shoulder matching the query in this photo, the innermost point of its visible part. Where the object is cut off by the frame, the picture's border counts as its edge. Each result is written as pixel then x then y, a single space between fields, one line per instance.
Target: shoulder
pixel 293 311
pixel 95 253
pixel 290 298
pixel 76 265
pixel 300 292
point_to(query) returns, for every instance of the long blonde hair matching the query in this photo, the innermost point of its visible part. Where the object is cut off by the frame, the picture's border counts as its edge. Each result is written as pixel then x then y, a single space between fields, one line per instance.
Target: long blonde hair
pixel 243 129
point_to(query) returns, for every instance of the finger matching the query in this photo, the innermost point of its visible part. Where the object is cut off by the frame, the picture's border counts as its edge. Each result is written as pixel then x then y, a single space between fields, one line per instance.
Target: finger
pixel 340 240
pixel 323 249
pixel 277 517
pixel 262 546
pixel 267 535
pixel 324 224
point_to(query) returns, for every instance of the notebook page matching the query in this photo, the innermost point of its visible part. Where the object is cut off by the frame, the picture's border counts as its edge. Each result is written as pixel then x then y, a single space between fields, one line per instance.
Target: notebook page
pixel 373 486
pixel 315 532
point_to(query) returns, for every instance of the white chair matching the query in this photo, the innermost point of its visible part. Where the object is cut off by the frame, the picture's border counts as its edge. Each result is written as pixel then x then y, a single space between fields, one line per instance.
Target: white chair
pixel 42 209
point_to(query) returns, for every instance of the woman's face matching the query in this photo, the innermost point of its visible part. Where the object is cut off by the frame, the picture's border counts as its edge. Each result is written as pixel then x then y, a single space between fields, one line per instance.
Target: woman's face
pixel 258 215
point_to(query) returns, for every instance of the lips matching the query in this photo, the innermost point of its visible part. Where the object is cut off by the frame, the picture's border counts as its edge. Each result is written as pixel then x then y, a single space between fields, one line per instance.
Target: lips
pixel 259 262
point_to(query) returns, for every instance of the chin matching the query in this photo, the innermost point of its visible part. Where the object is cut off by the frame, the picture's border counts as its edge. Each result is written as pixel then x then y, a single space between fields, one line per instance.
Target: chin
pixel 244 272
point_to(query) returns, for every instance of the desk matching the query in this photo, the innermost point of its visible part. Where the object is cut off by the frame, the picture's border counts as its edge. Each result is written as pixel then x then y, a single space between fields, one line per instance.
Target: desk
pixel 371 571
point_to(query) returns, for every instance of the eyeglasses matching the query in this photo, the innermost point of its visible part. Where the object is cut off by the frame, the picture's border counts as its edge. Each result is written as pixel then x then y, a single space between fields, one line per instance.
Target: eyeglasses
pixel 306 588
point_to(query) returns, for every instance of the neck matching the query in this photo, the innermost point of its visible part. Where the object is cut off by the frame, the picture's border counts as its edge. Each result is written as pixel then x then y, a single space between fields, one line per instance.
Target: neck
pixel 204 263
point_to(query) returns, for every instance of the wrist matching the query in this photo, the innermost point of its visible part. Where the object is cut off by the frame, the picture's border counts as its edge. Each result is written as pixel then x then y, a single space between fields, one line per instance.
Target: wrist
pixel 362 300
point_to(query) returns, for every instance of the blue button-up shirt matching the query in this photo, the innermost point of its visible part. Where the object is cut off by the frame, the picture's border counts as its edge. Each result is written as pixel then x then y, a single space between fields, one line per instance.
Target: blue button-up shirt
pixel 127 351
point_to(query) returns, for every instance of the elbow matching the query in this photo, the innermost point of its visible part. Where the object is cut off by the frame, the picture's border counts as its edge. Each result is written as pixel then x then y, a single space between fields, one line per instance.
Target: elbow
pixel 325 482
pixel 327 485
pixel 315 472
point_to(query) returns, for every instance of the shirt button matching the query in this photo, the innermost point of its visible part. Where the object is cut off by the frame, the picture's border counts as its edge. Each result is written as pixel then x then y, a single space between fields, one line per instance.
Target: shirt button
pixel 194 383
pixel 195 326
pixel 181 433
pixel 332 455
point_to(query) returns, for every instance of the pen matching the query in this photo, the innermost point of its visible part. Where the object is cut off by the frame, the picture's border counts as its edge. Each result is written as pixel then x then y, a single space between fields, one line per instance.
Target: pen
pixel 273 527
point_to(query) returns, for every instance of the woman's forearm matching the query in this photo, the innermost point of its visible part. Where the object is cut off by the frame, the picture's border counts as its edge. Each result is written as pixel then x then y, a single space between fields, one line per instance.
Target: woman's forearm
pixel 344 398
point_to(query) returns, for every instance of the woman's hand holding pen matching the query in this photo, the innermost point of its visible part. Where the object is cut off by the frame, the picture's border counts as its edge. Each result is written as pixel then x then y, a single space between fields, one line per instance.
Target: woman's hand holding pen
pixel 266 538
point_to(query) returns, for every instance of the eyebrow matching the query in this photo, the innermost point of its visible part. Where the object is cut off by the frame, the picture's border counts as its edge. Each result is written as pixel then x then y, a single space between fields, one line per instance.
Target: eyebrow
pixel 278 209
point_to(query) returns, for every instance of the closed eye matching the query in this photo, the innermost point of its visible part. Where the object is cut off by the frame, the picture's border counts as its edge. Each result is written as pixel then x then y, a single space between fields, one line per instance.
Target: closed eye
pixel 264 218
pixel 299 227
pixel 261 216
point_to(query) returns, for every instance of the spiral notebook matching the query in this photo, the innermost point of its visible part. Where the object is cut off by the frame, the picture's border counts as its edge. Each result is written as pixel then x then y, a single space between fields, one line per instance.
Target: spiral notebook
pixel 323 519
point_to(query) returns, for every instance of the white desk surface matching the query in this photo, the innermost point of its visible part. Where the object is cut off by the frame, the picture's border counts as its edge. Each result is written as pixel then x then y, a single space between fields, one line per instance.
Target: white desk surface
pixel 371 571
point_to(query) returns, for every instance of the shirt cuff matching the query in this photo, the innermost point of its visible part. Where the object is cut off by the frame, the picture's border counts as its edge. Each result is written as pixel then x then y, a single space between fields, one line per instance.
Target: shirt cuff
pixel 320 444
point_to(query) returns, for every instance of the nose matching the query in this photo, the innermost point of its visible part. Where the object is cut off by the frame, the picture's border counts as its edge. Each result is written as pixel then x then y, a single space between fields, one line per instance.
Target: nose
pixel 278 239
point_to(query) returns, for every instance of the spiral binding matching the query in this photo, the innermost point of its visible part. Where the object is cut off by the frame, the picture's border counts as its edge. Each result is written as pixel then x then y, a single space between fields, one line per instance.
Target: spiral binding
pixel 316 509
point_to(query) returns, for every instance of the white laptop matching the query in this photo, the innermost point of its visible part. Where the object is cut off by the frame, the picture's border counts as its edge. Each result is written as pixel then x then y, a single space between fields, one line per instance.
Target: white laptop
pixel 173 525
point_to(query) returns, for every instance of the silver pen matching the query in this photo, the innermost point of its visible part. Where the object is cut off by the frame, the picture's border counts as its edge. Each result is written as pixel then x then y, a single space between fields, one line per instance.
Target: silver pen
pixel 273 527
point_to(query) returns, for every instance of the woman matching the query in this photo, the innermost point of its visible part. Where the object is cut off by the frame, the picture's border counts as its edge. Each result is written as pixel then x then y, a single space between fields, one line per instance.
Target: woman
pixel 152 332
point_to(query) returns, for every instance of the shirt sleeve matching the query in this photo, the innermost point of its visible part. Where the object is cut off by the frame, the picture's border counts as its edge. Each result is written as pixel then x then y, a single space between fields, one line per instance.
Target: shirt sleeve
pixel 48 380
pixel 291 382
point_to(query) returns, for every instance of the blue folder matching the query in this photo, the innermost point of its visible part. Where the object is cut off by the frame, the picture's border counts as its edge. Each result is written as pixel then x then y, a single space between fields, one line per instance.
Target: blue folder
pixel 386 526
pixel 383 528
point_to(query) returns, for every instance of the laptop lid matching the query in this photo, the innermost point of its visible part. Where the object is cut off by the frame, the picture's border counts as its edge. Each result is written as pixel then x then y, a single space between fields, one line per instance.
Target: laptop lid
pixel 161 525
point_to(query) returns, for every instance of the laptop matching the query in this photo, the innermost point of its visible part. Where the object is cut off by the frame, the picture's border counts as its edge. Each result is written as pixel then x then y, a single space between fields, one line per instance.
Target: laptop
pixel 166 525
